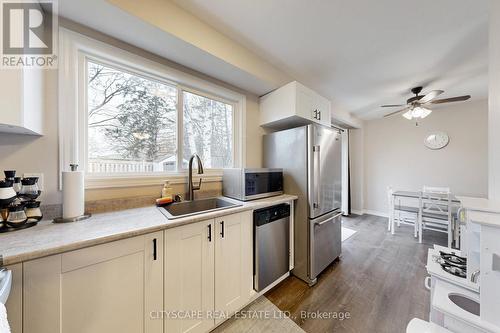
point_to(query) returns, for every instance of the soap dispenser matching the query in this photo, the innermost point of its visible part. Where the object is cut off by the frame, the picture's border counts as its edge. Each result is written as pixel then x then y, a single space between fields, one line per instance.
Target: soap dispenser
pixel 166 191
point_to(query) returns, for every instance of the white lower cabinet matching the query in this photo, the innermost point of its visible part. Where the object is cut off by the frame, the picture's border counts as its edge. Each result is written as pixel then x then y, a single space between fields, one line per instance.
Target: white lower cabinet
pixel 233 263
pixel 189 277
pixel 114 287
pixel 185 279
pixel 208 272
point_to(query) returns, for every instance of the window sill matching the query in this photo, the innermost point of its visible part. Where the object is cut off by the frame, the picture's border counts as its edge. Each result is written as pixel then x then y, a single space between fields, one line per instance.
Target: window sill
pixel 138 180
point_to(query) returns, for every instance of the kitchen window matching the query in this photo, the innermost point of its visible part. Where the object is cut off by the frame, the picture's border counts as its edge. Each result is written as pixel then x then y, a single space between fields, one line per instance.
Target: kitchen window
pixel 132 122
pixel 137 121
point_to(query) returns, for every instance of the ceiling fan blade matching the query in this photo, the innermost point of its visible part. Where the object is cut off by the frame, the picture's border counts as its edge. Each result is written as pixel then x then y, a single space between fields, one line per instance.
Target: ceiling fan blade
pixel 430 96
pixel 452 99
pixel 392 105
pixel 396 112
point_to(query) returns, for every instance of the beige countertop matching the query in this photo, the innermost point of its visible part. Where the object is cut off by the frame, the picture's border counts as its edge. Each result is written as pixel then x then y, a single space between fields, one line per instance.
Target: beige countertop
pixel 48 238
pixel 489 219
pixel 480 204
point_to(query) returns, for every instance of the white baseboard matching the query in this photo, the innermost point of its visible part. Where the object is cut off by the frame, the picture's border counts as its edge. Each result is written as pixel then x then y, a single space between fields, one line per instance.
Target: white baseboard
pixel 370 212
pixel 375 212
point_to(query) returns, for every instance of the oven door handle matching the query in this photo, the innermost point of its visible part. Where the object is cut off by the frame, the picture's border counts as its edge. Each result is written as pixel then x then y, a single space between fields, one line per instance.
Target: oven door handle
pixel 427 283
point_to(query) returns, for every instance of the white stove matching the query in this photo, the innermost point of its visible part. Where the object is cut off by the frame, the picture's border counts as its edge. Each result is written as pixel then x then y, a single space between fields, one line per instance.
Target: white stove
pixel 448 314
pixel 448 265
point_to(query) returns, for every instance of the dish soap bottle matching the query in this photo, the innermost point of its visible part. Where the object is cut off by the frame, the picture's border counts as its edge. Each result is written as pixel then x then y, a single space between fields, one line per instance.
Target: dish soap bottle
pixel 166 191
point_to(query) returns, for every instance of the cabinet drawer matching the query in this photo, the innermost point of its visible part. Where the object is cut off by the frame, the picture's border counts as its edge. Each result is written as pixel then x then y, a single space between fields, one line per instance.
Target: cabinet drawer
pixel 100 253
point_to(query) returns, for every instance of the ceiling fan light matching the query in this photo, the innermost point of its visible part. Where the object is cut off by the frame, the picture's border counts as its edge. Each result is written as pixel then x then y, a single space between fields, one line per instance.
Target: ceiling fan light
pixel 417 112
pixel 408 115
pixel 425 113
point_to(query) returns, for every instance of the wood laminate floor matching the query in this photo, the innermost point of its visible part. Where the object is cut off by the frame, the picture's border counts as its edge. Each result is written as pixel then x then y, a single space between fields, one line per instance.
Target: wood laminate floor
pixel 379 281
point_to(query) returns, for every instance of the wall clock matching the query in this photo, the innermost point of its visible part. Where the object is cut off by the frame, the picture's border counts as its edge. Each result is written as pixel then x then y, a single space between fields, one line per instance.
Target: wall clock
pixel 437 140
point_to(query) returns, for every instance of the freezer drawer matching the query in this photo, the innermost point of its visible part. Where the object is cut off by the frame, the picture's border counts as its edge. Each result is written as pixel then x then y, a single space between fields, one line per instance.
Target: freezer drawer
pixel 325 241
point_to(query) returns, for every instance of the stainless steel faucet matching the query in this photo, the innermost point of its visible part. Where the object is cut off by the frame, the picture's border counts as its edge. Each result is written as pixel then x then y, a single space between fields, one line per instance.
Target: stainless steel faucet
pixel 474 276
pixel 193 188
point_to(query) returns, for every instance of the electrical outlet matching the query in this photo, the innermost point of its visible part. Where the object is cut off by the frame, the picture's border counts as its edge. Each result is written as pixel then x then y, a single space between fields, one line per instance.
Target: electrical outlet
pixel 40 179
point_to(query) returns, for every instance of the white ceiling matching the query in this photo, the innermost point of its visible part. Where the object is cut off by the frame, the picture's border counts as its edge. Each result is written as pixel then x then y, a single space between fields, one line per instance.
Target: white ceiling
pixel 363 53
pixel 102 16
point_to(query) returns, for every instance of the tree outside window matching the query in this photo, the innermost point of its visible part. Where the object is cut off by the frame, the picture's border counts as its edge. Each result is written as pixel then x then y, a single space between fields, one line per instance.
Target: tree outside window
pixel 132 124
pixel 208 130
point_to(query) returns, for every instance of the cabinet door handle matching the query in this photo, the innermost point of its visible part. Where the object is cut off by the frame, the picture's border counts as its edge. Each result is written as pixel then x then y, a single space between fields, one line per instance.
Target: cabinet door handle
pixel 222 229
pixel 155 252
pixel 210 232
pixel 427 283
pixel 319 112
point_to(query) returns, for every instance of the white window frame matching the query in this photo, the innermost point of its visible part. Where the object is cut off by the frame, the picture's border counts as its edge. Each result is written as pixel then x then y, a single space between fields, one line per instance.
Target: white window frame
pixel 75 49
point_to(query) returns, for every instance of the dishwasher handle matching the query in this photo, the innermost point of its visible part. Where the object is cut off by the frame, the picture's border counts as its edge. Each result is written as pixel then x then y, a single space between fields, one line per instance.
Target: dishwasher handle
pixel 5 284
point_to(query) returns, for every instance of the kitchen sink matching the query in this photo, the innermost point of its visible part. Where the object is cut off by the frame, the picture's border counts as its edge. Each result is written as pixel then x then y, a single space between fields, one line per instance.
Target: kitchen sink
pixel 189 208
pixel 465 303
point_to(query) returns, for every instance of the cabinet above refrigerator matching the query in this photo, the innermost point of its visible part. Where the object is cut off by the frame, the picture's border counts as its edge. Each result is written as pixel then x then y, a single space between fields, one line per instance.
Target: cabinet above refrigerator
pixel 294 105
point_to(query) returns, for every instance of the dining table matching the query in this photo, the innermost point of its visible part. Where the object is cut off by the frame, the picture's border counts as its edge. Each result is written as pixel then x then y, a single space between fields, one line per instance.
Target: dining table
pixel 416 195
pixel 455 203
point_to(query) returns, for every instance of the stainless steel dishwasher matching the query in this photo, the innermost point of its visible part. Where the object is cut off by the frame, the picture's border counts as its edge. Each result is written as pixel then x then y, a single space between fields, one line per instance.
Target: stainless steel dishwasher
pixel 271 244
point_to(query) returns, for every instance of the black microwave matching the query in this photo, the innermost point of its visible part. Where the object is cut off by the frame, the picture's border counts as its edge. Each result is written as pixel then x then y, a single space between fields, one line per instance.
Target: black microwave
pixel 250 184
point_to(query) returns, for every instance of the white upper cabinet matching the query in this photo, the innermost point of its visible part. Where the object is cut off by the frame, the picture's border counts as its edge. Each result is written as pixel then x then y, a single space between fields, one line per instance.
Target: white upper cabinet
pixel 22 101
pixel 294 104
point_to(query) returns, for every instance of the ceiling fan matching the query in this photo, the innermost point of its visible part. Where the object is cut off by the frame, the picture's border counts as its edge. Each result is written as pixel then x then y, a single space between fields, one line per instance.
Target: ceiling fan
pixel 415 106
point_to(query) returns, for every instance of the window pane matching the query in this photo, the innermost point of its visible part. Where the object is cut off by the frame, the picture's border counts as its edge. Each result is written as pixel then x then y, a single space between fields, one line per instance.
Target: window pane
pixel 208 131
pixel 132 123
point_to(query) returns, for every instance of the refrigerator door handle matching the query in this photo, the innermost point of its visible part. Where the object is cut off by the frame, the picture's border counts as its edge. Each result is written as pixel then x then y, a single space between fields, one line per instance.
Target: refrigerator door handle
pixel 319 224
pixel 317 176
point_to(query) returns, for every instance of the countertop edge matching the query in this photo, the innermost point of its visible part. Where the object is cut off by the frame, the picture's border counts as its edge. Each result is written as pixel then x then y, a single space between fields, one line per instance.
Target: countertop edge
pixel 168 224
pixel 480 204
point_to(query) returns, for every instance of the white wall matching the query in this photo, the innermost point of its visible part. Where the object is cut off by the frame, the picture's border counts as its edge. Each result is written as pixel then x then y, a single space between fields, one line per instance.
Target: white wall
pixel 494 103
pixel 395 155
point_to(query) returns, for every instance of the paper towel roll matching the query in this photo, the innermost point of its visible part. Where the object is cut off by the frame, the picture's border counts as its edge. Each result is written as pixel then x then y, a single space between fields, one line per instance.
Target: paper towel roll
pixel 73 194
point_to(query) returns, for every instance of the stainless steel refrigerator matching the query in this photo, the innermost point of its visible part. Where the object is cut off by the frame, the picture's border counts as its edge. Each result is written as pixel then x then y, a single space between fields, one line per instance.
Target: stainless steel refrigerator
pixel 310 157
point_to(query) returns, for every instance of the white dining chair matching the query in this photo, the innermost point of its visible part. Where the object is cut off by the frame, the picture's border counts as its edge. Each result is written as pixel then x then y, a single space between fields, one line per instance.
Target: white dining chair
pixel 401 213
pixel 436 211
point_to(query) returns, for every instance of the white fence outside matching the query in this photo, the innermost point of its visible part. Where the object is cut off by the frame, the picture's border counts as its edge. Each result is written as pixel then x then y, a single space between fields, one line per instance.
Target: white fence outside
pixel 121 166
